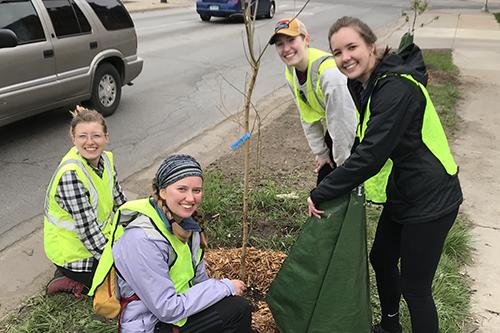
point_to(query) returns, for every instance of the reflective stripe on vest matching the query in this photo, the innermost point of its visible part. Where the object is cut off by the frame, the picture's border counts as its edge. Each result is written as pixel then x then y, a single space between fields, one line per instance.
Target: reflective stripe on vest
pixel 182 271
pixel 433 136
pixel 61 242
pixel 312 106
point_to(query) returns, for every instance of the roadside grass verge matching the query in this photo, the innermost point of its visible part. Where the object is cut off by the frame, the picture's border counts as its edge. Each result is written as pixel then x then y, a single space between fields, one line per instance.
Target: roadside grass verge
pixel 277 212
pixel 497 16
pixel 443 87
pixel 56 314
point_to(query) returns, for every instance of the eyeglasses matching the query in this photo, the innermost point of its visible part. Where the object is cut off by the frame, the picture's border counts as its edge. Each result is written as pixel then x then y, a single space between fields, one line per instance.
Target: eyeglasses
pixel 94 137
pixel 284 24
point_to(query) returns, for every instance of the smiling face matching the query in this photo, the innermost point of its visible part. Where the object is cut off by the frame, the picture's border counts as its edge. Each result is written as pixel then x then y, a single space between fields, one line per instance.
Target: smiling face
pixel 354 57
pixel 293 50
pixel 90 140
pixel 184 196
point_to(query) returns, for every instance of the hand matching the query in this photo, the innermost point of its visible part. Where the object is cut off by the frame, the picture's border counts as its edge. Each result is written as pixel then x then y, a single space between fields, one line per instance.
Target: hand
pixel 320 161
pixel 239 287
pixel 312 209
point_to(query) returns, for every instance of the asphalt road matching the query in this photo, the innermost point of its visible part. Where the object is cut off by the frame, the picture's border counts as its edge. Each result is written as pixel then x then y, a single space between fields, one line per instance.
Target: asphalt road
pixel 185 87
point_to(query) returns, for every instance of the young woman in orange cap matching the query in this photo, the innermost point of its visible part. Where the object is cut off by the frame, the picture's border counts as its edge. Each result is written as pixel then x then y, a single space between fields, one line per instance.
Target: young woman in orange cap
pixel 326 110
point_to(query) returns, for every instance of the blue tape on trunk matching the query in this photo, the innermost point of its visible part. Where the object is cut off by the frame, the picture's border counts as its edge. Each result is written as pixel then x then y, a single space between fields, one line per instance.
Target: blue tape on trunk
pixel 240 141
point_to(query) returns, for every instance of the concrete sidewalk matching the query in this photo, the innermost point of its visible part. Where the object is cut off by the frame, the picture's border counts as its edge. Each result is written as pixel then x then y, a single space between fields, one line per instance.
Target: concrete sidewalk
pixel 475 40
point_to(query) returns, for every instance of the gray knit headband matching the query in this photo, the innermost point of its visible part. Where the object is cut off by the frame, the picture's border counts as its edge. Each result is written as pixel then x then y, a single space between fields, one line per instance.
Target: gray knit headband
pixel 176 167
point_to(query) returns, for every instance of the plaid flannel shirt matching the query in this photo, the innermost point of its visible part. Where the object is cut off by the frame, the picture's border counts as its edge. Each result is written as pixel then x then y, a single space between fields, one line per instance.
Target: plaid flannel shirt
pixel 74 198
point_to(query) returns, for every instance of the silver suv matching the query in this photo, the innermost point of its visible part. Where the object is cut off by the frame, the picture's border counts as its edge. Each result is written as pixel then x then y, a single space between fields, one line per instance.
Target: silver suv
pixel 58 52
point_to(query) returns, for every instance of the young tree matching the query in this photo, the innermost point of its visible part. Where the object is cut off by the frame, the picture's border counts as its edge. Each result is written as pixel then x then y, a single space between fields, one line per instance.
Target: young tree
pixel 485 7
pixel 249 10
pixel 254 62
pixel 417 7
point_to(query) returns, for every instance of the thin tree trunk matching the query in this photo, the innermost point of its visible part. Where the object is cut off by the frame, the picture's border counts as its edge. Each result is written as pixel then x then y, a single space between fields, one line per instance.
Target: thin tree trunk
pixel 246 174
pixel 485 7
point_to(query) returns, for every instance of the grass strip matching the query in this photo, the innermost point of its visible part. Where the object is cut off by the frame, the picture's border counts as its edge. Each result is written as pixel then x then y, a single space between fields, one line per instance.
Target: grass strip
pixel 497 16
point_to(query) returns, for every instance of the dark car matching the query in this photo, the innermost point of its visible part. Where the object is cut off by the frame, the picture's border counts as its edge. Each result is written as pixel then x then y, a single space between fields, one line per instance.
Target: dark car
pixel 229 8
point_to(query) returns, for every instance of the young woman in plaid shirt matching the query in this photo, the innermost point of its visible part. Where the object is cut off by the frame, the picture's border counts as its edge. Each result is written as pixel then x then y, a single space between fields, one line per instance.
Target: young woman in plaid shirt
pixel 81 198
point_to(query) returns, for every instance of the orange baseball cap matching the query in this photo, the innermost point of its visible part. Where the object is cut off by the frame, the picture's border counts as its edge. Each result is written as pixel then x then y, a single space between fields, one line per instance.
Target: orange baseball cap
pixel 289 27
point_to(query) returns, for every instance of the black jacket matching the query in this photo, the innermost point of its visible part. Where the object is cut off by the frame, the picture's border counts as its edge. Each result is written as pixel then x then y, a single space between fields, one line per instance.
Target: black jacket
pixel 419 188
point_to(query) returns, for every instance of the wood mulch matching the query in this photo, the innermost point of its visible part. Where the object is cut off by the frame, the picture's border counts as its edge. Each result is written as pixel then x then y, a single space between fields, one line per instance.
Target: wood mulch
pixel 262 267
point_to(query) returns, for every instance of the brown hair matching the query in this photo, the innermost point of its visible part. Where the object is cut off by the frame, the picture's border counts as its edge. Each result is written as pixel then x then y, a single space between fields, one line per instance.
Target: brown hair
pixel 177 230
pixel 361 28
pixel 84 115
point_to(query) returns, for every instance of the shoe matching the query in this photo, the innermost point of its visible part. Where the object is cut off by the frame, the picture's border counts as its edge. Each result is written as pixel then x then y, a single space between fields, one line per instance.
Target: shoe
pixel 378 329
pixel 61 283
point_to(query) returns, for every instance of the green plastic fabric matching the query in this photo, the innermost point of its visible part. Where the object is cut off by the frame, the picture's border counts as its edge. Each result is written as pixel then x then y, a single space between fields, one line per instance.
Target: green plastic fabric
pixel 323 285
pixel 406 40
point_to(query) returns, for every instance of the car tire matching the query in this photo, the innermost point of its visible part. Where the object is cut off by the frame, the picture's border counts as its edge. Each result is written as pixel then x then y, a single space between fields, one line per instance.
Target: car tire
pixel 205 17
pixel 271 11
pixel 106 90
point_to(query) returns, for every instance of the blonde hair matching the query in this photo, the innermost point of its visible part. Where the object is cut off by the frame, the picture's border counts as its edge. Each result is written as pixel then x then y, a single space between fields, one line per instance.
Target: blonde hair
pixel 83 115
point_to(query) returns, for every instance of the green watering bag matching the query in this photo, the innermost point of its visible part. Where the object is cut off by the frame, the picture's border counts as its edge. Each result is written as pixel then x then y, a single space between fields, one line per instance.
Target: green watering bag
pixel 323 285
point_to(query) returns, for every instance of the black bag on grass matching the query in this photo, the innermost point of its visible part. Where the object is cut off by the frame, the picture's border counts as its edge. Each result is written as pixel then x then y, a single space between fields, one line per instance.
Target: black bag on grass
pixel 323 285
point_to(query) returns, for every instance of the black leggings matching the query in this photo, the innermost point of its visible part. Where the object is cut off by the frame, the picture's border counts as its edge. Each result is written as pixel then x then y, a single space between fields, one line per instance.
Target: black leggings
pixel 419 247
pixel 230 315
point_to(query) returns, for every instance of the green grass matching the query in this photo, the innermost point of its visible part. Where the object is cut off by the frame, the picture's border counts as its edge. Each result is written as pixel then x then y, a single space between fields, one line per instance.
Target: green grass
pixel 443 87
pixel 56 314
pixel 440 60
pixel 267 213
pixel 275 224
pixel 497 16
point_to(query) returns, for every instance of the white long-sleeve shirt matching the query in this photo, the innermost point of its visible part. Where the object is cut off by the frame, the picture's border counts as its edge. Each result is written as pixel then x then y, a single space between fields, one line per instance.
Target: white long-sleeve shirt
pixel 341 119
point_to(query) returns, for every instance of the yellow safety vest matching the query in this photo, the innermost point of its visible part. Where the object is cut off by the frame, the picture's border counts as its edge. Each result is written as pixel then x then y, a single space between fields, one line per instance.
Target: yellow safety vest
pixel 61 242
pixel 312 109
pixel 433 137
pixel 182 271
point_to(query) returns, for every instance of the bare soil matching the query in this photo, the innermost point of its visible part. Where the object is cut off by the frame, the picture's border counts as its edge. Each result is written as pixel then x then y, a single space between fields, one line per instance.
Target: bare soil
pixel 284 155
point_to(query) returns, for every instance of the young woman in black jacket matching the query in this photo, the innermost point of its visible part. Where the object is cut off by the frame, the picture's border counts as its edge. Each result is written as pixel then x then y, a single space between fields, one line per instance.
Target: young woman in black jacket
pixel 404 160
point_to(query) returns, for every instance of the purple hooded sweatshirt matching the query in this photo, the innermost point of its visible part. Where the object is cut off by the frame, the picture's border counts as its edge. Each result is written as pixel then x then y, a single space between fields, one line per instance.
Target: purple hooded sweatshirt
pixel 142 256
